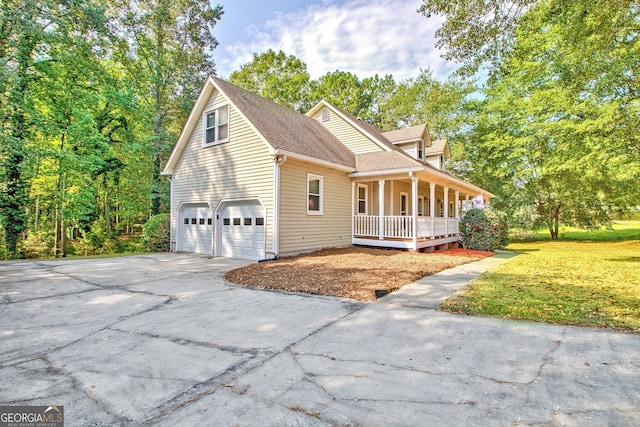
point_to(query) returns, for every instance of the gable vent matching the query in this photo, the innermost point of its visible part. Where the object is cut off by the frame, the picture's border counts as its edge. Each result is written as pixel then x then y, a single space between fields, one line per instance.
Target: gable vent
pixel 324 115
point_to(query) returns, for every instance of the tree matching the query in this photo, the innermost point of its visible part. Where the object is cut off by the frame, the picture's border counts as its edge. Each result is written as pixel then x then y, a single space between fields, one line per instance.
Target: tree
pixel 29 34
pixel 423 99
pixel 556 128
pixel 277 76
pixel 166 46
pixel 361 98
pixel 476 32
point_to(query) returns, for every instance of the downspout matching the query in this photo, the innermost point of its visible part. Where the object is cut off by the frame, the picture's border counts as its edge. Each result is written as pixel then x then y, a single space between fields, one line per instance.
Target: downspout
pixel 278 159
pixel 172 217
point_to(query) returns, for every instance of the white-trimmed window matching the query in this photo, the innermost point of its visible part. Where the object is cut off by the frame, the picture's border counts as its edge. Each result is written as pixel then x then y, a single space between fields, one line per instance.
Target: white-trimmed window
pixel 420 205
pixel 404 197
pixel 324 115
pixel 421 150
pixel 314 194
pixel 363 199
pixel 216 126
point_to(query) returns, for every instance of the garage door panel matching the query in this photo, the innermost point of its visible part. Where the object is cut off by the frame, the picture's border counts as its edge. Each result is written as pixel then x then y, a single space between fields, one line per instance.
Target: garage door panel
pixel 242 231
pixel 197 229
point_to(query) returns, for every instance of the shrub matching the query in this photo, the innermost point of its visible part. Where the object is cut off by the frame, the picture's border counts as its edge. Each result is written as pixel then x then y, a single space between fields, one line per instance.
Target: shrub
pixel 155 234
pixel 483 230
pixel 38 245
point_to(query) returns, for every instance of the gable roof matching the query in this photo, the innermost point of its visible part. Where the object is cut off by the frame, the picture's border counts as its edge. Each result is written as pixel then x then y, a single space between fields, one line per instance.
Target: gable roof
pixel 414 133
pixel 284 130
pixel 440 146
pixel 368 130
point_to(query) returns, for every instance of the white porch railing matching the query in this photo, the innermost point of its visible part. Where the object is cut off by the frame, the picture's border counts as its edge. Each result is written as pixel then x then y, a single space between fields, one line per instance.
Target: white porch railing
pixel 401 227
pixel 398 227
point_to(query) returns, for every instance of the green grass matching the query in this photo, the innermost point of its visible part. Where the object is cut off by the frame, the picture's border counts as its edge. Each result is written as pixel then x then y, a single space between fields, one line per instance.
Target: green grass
pixel 619 231
pixel 592 278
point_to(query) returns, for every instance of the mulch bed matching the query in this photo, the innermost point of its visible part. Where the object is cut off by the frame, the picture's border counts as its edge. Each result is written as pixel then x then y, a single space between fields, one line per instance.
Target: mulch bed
pixel 352 272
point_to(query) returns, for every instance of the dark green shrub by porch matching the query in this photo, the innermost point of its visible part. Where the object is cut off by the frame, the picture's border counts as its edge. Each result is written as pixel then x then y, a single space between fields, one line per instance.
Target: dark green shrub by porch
pixel 483 230
pixel 155 234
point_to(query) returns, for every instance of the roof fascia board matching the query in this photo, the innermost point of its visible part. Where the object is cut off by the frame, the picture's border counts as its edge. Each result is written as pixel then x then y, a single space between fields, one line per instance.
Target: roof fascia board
pixel 406 141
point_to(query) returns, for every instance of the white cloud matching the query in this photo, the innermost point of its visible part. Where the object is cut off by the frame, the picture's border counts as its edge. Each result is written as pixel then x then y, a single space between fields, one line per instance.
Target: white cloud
pixel 360 36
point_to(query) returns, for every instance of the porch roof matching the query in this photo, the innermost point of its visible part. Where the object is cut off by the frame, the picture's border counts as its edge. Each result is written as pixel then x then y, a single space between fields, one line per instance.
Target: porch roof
pixel 384 161
pixel 381 164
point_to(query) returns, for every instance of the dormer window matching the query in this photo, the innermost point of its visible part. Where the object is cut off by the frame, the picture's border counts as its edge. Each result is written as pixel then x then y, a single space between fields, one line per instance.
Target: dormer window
pixel 441 162
pixel 216 126
pixel 324 115
pixel 421 150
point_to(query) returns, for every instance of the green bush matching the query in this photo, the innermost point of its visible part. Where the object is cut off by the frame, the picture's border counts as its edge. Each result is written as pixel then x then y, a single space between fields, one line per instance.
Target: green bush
pixel 155 234
pixel 38 245
pixel 483 230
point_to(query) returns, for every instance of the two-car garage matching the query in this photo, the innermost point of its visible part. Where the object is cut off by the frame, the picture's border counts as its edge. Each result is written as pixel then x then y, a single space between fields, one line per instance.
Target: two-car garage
pixel 234 229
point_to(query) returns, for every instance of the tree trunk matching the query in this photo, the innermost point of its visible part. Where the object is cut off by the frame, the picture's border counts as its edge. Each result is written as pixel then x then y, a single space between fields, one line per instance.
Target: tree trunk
pixel 59 200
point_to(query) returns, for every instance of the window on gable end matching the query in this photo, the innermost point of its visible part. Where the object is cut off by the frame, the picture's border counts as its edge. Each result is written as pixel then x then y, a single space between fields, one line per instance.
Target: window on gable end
pixel 421 150
pixel 216 126
pixel 324 115
pixel 314 194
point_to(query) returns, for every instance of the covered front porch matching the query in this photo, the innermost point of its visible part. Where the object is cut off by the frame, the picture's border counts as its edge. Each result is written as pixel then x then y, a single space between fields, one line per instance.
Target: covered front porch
pixel 416 210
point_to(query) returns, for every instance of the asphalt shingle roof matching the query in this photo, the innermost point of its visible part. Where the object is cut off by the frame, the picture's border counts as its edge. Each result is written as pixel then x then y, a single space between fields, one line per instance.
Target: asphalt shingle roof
pixel 286 129
pixel 385 160
pixel 406 134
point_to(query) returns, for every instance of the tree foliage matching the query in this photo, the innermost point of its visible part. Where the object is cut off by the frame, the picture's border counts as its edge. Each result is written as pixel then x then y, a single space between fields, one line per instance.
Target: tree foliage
pixel 92 96
pixel 476 31
pixel 277 76
pixel 424 99
pixel 556 129
pixel 166 47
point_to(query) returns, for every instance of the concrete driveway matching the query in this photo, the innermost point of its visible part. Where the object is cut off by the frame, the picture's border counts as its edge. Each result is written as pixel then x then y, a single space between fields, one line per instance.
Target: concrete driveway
pixel 162 339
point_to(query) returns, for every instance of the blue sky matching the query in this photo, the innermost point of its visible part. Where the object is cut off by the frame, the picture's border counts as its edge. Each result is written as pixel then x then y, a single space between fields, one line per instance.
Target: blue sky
pixel 365 37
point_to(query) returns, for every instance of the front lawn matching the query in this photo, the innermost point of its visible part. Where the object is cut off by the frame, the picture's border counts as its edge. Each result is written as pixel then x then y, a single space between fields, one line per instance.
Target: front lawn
pixel 349 272
pixel 591 282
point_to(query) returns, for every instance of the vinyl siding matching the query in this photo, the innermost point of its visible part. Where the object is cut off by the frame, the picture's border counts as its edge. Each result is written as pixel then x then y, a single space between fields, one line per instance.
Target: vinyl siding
pixel 301 232
pixel 355 140
pixel 410 148
pixel 239 168
pixel 434 161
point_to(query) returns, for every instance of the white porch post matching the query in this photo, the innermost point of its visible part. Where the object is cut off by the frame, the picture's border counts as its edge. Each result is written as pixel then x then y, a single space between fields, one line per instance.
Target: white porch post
pixel 414 209
pixel 381 209
pixel 353 211
pixel 446 211
pixel 458 213
pixel 432 208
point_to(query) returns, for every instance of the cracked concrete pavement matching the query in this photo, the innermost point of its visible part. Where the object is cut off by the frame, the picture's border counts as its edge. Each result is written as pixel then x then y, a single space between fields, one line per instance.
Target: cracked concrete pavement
pixel 162 339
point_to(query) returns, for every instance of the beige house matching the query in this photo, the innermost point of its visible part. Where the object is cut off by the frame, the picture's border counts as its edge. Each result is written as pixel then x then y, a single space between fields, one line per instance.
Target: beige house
pixel 252 179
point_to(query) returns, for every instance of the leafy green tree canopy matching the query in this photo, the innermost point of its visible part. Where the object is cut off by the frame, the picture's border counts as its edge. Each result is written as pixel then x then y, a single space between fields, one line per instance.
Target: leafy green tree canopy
pixel 277 76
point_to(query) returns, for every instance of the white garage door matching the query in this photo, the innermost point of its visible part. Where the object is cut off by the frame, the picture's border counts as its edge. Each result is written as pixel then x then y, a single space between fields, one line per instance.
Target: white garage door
pixel 242 231
pixel 197 230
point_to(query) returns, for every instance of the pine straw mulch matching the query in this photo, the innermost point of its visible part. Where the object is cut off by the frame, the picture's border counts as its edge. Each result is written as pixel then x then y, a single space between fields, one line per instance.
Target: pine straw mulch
pixel 352 272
